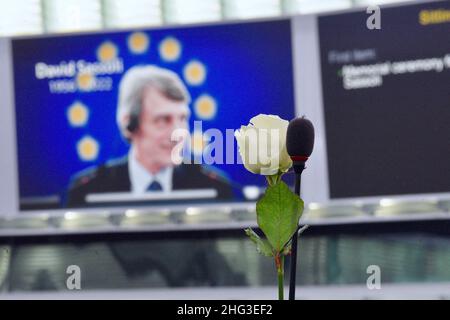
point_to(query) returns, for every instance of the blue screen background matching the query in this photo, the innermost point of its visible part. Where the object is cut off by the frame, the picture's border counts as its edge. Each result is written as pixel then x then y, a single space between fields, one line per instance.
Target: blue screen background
pixel 249 71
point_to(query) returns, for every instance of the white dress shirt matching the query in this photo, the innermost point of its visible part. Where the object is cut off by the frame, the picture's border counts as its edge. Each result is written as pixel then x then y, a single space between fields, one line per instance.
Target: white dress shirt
pixel 141 179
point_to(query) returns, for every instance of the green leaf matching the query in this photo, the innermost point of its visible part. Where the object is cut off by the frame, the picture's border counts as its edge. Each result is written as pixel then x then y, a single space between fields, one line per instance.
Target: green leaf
pixel 262 246
pixel 278 213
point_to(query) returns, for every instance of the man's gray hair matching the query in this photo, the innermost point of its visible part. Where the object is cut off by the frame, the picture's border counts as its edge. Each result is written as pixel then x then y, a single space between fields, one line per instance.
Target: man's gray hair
pixel 132 87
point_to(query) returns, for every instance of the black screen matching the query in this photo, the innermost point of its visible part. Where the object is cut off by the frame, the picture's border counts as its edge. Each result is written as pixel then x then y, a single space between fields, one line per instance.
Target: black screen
pixel 387 101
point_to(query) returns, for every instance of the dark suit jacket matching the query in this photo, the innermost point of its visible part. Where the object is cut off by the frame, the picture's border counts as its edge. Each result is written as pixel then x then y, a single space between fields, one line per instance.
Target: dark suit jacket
pixel 114 177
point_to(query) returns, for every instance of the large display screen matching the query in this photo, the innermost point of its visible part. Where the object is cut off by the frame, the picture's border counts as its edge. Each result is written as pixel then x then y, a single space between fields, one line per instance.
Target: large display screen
pixel 386 95
pixel 94 112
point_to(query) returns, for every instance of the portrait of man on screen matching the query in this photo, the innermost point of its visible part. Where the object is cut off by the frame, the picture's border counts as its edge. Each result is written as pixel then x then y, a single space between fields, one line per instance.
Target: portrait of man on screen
pixel 153 102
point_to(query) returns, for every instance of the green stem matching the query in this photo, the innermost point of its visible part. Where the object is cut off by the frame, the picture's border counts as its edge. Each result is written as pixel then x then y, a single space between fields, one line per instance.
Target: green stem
pixel 273 180
pixel 270 180
pixel 279 261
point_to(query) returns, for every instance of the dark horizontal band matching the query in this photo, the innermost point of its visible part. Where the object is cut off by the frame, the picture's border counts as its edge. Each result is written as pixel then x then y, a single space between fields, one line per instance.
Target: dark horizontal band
pixel 299 158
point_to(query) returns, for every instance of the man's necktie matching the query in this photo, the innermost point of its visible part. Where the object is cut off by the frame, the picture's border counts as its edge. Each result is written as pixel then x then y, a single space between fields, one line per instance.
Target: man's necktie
pixel 154 186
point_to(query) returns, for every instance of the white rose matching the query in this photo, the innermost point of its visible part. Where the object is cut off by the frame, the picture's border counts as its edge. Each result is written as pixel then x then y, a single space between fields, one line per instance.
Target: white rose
pixel 262 145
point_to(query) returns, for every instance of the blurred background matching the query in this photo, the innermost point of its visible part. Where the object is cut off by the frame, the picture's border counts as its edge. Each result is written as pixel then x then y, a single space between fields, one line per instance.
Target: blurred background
pixel 24 17
pixel 203 252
